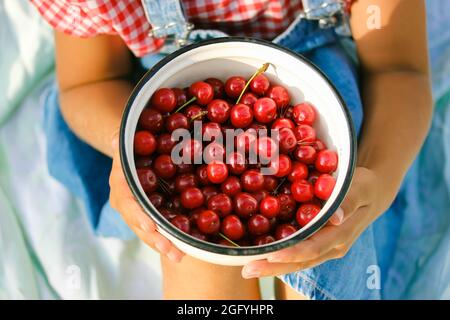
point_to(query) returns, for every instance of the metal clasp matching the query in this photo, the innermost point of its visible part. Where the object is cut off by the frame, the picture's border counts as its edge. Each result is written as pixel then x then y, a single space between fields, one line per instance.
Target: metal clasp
pixel 329 14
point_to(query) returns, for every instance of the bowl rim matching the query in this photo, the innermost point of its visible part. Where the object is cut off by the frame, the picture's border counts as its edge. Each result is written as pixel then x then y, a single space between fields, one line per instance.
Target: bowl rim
pixel 209 246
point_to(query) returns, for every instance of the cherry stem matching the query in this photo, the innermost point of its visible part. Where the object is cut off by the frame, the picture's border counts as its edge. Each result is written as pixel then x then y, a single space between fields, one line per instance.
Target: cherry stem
pixel 279 185
pixel 201 114
pixel 226 238
pixel 185 104
pixel 257 73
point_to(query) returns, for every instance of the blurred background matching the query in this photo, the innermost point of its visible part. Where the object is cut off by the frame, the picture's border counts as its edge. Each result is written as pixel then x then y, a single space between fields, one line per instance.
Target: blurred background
pixel 47 248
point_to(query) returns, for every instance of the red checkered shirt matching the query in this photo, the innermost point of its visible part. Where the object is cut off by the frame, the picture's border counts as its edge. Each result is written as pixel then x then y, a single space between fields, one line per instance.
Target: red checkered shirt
pixel 126 18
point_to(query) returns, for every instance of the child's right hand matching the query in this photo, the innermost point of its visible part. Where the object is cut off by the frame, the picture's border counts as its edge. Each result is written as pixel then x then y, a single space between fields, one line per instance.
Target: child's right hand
pixel 124 202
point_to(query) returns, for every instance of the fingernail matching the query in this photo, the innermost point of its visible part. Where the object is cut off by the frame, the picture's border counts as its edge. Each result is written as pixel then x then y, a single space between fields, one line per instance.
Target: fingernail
pixel 250 272
pixel 337 217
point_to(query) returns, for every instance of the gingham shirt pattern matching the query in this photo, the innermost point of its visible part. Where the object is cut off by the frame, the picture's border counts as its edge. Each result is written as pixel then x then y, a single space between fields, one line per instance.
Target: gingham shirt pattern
pixel 126 18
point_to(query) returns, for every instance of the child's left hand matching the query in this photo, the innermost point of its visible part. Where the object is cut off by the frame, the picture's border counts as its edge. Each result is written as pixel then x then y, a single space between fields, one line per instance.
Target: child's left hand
pixel 358 211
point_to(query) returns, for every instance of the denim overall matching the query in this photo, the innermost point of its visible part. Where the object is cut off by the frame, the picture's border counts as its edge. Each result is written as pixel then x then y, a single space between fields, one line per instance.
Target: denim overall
pixel 364 273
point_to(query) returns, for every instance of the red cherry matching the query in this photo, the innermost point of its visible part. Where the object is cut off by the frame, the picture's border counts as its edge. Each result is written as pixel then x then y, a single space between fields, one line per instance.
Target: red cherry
pixel 287 140
pixel 169 214
pixel 192 198
pixel 151 120
pixel 183 168
pixel 144 143
pixel 175 204
pixel 284 231
pixel 265 110
pixel 302 190
pixel 305 133
pixel 180 96
pixel 283 123
pixel 182 223
pixel 246 140
pixel 266 148
pixel 209 191
pixel 194 111
pixel 165 143
pixel 231 186
pixel 213 152
pixel 306 212
pixel 148 180
pixel 177 121
pixel 287 207
pixel 260 84
pixel 248 99
pixel 241 116
pixel 326 161
pixel 252 180
pixel 280 95
pixel 164 100
pixel 190 149
pixel 202 175
pixel 221 204
pixel 217 172
pixel 262 240
pixel 319 145
pixel 299 172
pixel 211 131
pixel 233 228
pixel 208 222
pixel 197 234
pixel 259 195
pixel 324 186
pixel 281 166
pixel 156 199
pixel 304 113
pixel 218 111
pixel 203 91
pixel 245 205
pixel 270 183
pixel 258 225
pixel 313 176
pixel 236 163
pixel 305 154
pixel 218 87
pixel 269 207
pixel 185 181
pixel 143 162
pixel 234 86
pixel 164 167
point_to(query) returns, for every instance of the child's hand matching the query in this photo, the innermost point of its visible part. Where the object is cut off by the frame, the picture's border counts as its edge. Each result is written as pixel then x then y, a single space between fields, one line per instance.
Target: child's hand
pixel 124 202
pixel 357 212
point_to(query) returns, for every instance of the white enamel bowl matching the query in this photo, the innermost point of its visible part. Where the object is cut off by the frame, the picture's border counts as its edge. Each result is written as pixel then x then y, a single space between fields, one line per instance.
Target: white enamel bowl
pixel 222 58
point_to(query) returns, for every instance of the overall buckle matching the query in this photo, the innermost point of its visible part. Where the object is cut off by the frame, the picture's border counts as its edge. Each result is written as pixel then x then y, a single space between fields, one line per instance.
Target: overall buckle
pixel 328 14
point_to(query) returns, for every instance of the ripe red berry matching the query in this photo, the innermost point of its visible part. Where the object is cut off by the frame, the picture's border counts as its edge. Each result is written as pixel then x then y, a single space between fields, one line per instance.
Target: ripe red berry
pixel 167 213
pixel 202 91
pixel 264 239
pixel 299 172
pixel 304 113
pixel 183 168
pixel 249 99
pixel 234 86
pixel 287 140
pixel 252 180
pixel 258 225
pixel 246 140
pixel 208 222
pixel 209 191
pixel 265 110
pixel 217 172
pixel 151 120
pixel 165 143
pixel 148 180
pixel 197 234
pixel 305 133
pixel 302 190
pixel 218 111
pixel 231 186
pixel 241 116
pixel 221 204
pixel 192 198
pixel 213 152
pixel 185 181
pixel 319 145
pixel 202 175
pixel 144 143
pixel 324 186
pixel 283 123
pixel 269 207
pixel 305 154
pixel 236 163
pixel 180 96
pixel 266 148
pixel 194 111
pixel 326 161
pixel 260 84
pixel 245 205
pixel 280 95
pixel 270 183
pixel 284 231
pixel 177 121
pixel 182 223
pixel 233 228
pixel 156 199
pixel 306 212
pixel 143 162
pixel 218 87
pixel 281 166
pixel 211 131
pixel 164 167
pixel 164 100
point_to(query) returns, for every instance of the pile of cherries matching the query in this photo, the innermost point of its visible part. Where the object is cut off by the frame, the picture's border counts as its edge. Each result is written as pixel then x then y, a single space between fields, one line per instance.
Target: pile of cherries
pixel 229 201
